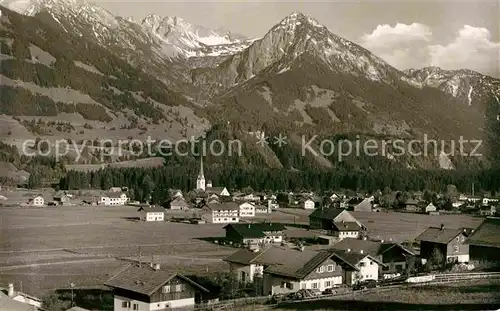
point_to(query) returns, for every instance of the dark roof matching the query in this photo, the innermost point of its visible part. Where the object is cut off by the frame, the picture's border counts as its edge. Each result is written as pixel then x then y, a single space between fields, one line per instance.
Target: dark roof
pixel 113 194
pixel 216 190
pixel 346 226
pixel 255 230
pixel 178 201
pixel 353 258
pixel 145 280
pixel 411 202
pixel 297 264
pixel 152 209
pixel 326 213
pixel 372 248
pixel 487 234
pixel 223 206
pixel 438 235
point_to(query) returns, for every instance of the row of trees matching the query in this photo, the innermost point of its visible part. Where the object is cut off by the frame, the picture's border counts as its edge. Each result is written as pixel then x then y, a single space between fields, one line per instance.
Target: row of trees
pixel 155 182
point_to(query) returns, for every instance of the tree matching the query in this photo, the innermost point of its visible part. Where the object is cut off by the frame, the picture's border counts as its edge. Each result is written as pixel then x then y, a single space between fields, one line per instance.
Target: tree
pixel 52 302
pixel 34 180
pixel 436 261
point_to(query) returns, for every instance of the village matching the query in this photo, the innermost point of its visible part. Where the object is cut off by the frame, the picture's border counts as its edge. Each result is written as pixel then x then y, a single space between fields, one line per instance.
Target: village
pixel 282 246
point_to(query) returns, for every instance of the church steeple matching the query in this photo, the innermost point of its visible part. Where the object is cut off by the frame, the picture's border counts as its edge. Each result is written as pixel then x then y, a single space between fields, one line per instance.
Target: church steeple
pixel 200 182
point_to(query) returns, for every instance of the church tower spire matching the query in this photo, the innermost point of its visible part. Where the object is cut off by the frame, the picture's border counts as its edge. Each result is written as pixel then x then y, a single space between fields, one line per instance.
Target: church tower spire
pixel 200 182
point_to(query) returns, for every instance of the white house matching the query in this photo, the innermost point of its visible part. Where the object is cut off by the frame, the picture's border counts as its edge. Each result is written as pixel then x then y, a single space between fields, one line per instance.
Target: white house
pixel 308 204
pixel 367 266
pixel 149 288
pixel 37 201
pixel 247 210
pixel 111 199
pixel 222 213
pixel 430 208
pixel 152 213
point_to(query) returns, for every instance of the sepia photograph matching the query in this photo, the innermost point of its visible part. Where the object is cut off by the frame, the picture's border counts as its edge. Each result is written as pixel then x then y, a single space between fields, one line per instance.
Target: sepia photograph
pixel 249 155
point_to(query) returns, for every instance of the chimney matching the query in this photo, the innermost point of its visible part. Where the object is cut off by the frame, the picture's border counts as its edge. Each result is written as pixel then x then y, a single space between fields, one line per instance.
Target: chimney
pixel 361 251
pixel 442 226
pixel 11 290
pixel 156 266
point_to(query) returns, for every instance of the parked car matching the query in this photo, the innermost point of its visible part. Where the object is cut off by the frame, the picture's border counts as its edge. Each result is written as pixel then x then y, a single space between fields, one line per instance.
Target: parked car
pixel 366 284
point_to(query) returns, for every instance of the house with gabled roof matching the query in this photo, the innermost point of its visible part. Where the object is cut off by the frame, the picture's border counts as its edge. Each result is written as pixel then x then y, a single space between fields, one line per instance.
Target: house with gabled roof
pixel 152 213
pixel 449 242
pixel 255 233
pixel 221 212
pixel 177 203
pixel 484 242
pixel 150 288
pixel 218 191
pixel 337 222
pixel 36 200
pixel 395 257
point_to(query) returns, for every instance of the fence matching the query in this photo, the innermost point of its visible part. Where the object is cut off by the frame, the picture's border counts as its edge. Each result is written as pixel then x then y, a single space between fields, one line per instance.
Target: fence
pixel 257 303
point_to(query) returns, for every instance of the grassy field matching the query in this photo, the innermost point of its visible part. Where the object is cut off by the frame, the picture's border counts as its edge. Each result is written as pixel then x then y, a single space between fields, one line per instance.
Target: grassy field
pixel 46 248
pixel 396 226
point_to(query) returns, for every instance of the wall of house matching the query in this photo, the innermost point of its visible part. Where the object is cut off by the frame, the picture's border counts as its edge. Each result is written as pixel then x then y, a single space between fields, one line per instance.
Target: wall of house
pixel 38 201
pixel 394 260
pixel 368 269
pixel 245 273
pixel 322 283
pixel 187 291
pixel 273 285
pixel 154 216
pixel 247 210
pixel 347 234
pixel 225 216
pixel 309 204
pixel 457 249
pixel 154 306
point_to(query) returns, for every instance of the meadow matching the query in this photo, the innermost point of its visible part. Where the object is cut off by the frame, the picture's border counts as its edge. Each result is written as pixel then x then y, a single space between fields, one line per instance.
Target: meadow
pixel 48 248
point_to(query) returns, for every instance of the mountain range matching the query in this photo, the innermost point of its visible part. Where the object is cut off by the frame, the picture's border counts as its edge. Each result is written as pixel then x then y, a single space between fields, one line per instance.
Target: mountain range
pixel 109 76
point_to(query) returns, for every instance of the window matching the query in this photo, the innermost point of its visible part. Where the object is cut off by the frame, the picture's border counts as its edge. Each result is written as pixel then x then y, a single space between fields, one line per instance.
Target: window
pixel 361 264
pixel 320 269
pixel 371 263
pixel 330 268
pixel 126 304
pixel 303 286
pixel 166 289
pixel 458 239
pixel 315 285
pixel 455 248
pixel 328 283
pixel 463 238
pixel 385 268
pixel 136 306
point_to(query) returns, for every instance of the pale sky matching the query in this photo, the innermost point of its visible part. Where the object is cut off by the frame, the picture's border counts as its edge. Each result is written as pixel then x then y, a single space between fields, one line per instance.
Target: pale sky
pixel 449 34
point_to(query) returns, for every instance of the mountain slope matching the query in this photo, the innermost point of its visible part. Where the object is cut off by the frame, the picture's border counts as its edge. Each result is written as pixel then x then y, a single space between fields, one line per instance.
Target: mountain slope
pixel 470 87
pixel 79 80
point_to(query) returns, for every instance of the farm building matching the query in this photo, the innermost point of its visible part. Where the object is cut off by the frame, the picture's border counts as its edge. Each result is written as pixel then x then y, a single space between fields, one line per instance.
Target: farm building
pixel 152 213
pixel 37 200
pixel 62 198
pixel 224 212
pixel 366 267
pixel 412 205
pixel 150 288
pixel 449 242
pixel 178 203
pixel 10 299
pixel 255 233
pixel 337 222
pixel 484 242
pixel 395 257
pixel 113 198
pixel 247 209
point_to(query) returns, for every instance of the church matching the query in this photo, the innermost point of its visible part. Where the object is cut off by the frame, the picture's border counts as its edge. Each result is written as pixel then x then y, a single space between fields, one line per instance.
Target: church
pixel 206 186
